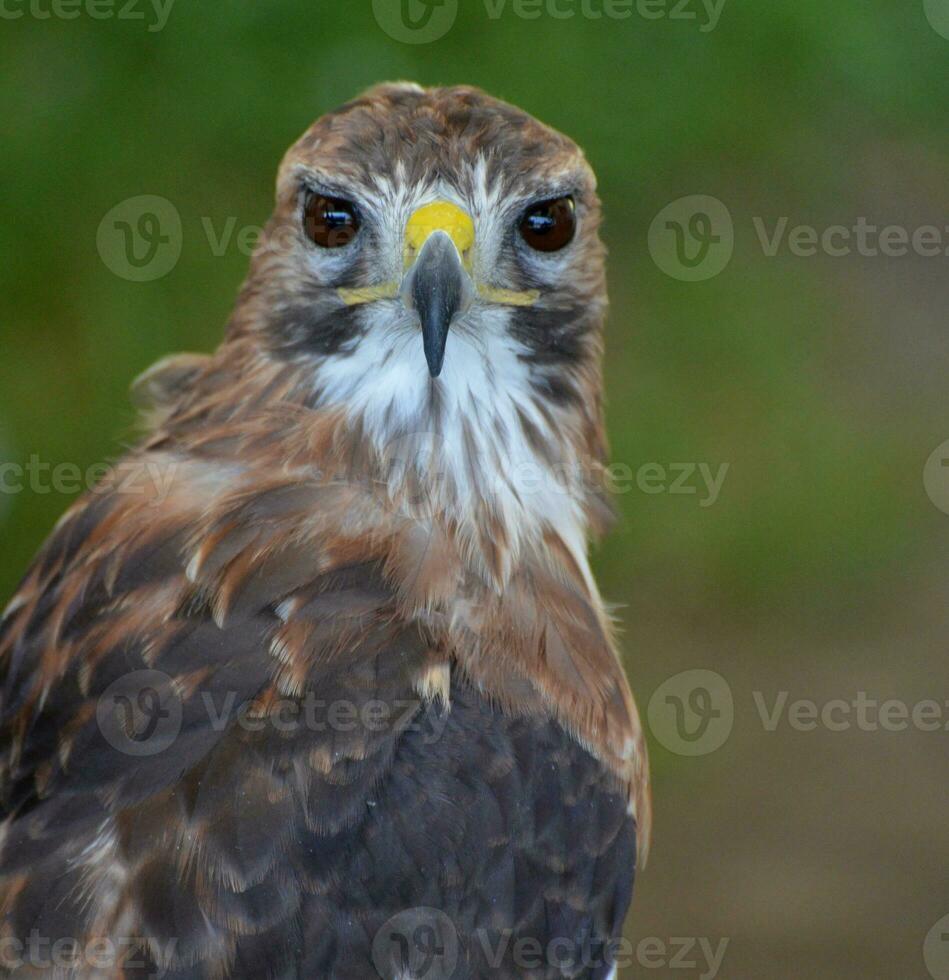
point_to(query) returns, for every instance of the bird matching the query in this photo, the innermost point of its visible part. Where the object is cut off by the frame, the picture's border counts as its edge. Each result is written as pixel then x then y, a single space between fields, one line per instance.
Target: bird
pixel 320 684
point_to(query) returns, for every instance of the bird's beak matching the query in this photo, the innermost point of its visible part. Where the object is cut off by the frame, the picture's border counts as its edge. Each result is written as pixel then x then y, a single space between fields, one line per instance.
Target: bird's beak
pixel 437 284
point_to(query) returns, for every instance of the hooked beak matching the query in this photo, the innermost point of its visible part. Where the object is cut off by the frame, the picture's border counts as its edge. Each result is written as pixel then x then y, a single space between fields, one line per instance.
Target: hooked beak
pixel 437 285
pixel 439 289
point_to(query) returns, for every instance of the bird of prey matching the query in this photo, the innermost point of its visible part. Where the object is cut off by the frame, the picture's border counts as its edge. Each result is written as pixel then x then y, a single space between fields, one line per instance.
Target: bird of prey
pixel 320 684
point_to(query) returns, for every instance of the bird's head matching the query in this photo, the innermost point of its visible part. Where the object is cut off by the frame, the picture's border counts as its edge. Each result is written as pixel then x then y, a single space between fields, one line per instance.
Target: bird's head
pixel 434 265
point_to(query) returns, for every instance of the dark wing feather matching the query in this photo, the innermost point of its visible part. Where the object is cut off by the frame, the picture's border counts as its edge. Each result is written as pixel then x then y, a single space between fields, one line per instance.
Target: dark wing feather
pixel 292 790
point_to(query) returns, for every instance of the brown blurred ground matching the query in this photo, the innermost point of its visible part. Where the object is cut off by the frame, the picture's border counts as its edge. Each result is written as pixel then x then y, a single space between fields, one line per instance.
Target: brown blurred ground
pixel 817 854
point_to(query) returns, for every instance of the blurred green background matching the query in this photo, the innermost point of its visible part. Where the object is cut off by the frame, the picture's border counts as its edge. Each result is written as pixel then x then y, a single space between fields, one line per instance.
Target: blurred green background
pixel 821 381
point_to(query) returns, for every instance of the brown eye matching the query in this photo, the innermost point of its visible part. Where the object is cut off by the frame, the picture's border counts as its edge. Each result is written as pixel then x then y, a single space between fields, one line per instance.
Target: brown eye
pixel 550 225
pixel 330 222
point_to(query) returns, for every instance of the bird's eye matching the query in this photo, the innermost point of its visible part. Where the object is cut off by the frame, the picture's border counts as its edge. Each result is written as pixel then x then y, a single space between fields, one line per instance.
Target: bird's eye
pixel 330 222
pixel 549 225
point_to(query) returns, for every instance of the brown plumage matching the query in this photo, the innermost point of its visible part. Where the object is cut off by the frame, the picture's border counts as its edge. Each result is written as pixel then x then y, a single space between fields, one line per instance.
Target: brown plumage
pixel 321 524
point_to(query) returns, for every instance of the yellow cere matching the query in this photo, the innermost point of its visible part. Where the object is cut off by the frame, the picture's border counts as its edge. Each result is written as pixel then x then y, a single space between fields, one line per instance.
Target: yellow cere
pixel 440 216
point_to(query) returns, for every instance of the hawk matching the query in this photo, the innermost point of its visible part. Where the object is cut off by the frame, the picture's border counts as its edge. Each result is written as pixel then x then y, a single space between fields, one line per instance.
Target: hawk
pixel 320 684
